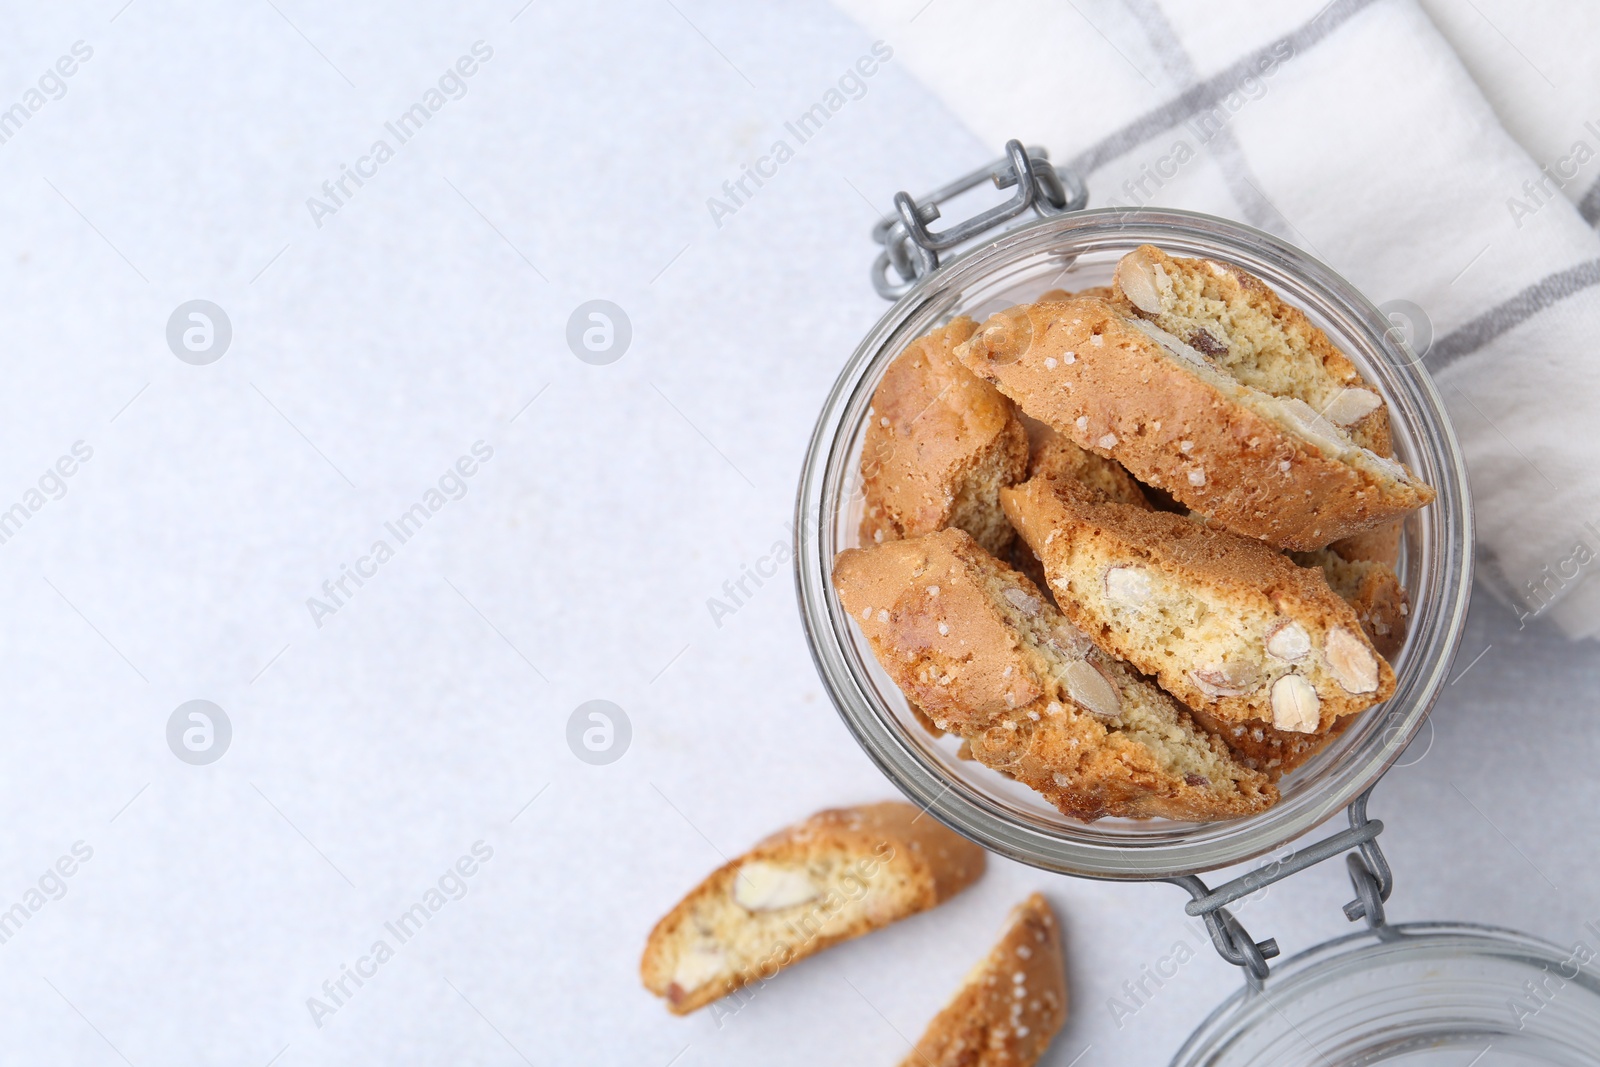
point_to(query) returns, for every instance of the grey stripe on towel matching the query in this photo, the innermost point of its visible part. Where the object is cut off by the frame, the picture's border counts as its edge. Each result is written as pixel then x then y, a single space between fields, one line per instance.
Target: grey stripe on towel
pixel 1512 313
pixel 1589 206
pixel 1209 92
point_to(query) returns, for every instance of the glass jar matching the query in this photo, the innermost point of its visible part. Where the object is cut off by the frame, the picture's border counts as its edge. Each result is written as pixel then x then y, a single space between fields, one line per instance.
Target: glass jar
pixel 1423 993
pixel 1076 250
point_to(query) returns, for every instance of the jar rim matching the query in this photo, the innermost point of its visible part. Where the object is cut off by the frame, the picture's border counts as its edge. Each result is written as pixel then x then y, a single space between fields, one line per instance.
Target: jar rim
pixel 1165 850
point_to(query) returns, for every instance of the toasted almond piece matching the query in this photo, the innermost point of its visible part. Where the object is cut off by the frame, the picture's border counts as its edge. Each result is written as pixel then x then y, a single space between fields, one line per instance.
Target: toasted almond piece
pixel 1140 278
pixel 1227 680
pixel 698 964
pixel 1289 642
pixel 1295 706
pixel 1180 348
pixel 764 886
pixel 1026 603
pixel 1127 587
pixel 1312 426
pixel 1353 666
pixel 1351 406
pixel 1090 689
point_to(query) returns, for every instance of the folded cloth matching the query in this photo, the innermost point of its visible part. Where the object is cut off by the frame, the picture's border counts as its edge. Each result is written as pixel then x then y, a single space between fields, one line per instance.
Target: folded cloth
pixel 1353 130
pixel 1545 90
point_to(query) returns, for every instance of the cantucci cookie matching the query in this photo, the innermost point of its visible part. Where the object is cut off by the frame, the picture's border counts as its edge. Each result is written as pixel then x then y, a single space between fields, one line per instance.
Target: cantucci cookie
pixel 1222 622
pixel 1051 453
pixel 940 444
pixel 1237 321
pixel 976 646
pixel 1010 1006
pixel 840 874
pixel 1263 466
pixel 1373 589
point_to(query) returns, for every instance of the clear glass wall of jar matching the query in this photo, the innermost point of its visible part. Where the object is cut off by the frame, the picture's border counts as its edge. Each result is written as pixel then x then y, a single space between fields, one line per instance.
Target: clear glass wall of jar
pixel 1075 251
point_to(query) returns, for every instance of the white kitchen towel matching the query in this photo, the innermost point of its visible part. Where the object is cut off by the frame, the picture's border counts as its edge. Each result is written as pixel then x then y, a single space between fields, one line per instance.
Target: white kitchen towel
pixel 1538 65
pixel 1352 129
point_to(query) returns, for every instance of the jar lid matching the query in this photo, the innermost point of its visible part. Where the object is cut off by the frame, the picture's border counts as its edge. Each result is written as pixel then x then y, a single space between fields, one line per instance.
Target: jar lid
pixel 1419 993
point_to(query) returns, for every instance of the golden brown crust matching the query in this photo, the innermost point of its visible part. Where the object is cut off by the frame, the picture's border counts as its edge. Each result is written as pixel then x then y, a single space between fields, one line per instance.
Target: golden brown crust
pixel 1238 320
pixel 976 646
pixel 938 630
pixel 871 865
pixel 940 443
pixel 1109 386
pixel 1195 606
pixel 1104 292
pixel 1010 1006
pixel 1091 775
pixel 948 861
pixel 1051 453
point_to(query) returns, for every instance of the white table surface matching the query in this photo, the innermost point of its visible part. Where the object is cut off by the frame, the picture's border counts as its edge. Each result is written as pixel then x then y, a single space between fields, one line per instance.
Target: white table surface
pixel 372 752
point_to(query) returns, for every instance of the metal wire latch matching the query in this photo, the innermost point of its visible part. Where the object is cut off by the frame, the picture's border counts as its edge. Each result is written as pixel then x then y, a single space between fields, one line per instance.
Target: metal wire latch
pixel 1369 874
pixel 911 250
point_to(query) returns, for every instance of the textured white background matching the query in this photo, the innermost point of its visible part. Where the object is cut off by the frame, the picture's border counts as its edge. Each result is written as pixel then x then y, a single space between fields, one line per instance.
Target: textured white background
pixel 373 752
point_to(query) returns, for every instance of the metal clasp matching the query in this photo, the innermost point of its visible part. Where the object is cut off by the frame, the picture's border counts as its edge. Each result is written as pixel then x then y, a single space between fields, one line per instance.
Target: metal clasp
pixel 1369 874
pixel 912 250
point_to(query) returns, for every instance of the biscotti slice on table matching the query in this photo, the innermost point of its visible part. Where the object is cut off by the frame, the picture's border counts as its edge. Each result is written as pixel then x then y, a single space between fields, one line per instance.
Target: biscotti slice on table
pixel 1010 1006
pixel 976 646
pixel 1223 622
pixel 1237 321
pixel 837 875
pixel 939 446
pixel 1263 466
